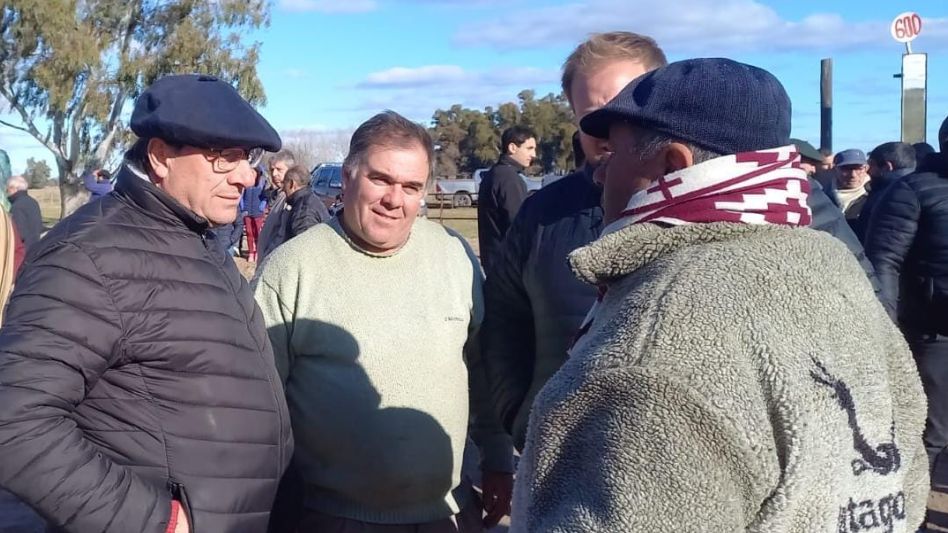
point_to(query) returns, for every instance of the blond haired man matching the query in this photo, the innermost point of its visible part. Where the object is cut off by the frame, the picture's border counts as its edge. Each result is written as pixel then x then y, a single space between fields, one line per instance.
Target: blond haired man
pixel 534 303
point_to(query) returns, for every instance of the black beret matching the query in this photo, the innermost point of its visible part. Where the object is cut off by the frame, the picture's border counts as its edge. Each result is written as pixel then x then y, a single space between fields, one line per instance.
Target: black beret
pixel 202 111
pixel 717 104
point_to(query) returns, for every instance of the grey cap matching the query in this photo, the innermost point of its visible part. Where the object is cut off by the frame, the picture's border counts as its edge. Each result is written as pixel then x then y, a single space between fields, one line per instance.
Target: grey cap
pixel 853 156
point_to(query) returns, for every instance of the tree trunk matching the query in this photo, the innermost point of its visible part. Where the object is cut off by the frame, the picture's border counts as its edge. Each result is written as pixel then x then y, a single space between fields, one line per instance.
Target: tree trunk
pixel 72 194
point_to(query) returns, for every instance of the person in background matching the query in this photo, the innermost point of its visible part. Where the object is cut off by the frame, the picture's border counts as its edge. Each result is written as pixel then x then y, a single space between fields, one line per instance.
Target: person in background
pixel 849 188
pixel 25 212
pixel 502 190
pixel 925 157
pixel 98 182
pixel 826 215
pixel 888 163
pixel 737 372
pixel 301 210
pixel 254 202
pixel 229 236
pixel 279 163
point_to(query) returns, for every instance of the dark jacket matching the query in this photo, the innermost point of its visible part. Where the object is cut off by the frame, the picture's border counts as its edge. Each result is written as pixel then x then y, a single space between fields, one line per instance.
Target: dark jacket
pixel 301 211
pixel 877 188
pixel 499 197
pixel 276 201
pixel 907 242
pixel 829 218
pixel 25 212
pixel 134 369
pixel 535 305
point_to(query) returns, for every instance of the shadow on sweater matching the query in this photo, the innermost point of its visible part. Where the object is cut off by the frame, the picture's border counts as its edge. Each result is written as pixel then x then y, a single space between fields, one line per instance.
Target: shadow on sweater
pixel 426 445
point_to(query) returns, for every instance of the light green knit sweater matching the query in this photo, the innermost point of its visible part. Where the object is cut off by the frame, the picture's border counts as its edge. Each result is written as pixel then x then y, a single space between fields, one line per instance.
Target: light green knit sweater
pixel 371 352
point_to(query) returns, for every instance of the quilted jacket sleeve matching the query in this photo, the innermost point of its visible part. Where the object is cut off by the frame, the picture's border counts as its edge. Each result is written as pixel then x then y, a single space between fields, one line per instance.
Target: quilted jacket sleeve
pixel 61 333
pixel 892 229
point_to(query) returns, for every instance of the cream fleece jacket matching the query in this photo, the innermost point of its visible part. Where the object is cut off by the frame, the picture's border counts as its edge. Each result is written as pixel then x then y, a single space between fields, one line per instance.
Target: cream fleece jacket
pixel 724 387
pixel 372 353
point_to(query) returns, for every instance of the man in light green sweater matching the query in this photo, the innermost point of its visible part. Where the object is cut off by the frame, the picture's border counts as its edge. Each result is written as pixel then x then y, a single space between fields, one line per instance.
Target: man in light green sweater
pixel 373 319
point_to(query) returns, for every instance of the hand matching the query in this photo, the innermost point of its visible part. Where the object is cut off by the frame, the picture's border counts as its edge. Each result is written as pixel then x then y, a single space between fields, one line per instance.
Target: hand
pixel 498 491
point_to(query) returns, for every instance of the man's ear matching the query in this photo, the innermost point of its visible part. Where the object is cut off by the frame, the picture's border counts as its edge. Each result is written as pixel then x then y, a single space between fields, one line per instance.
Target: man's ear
pixel 347 175
pixel 511 148
pixel 159 152
pixel 889 167
pixel 677 157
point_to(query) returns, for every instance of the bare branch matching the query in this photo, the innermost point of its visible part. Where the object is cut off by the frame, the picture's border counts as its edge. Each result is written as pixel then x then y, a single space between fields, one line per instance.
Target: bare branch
pixel 14 126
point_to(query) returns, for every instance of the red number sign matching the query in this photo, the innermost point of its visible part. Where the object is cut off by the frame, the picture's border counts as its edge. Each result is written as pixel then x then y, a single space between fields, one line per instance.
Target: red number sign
pixel 906 27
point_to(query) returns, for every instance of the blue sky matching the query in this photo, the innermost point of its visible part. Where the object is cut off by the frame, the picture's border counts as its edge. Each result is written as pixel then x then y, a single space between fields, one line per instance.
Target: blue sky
pixel 329 64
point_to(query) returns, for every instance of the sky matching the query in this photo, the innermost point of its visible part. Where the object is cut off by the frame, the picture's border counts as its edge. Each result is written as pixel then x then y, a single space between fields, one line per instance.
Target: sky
pixel 330 64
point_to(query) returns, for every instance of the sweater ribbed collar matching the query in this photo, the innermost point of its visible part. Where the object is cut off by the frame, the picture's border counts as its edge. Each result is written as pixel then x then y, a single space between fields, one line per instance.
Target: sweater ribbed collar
pixel 336 224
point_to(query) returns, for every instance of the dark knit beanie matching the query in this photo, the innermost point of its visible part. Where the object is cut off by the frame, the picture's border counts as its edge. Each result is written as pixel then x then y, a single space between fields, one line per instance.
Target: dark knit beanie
pixel 717 104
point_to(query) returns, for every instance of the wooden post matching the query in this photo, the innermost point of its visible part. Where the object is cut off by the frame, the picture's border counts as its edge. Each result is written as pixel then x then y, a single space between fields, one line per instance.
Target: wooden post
pixel 826 104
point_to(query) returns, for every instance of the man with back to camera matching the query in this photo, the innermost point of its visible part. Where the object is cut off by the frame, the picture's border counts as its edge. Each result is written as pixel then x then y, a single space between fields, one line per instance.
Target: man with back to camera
pixel 718 385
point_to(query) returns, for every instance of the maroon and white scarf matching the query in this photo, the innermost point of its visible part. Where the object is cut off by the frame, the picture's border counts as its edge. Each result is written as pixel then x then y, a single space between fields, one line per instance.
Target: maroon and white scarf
pixel 762 187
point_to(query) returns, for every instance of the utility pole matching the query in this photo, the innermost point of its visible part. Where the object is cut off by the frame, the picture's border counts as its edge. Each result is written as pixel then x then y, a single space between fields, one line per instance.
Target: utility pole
pixel 826 105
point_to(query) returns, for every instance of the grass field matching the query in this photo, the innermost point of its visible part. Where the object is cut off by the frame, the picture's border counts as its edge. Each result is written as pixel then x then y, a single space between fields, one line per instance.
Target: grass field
pixel 48 200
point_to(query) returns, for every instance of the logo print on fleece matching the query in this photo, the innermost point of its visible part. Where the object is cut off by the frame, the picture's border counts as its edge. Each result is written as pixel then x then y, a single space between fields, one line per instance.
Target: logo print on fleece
pixel 884 458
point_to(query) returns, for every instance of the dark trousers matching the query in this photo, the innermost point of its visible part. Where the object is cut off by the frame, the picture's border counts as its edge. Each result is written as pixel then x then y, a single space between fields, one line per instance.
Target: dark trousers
pixel 931 356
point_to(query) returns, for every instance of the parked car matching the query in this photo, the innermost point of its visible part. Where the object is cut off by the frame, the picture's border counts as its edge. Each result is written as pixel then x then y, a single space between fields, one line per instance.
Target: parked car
pixel 463 192
pixel 327 184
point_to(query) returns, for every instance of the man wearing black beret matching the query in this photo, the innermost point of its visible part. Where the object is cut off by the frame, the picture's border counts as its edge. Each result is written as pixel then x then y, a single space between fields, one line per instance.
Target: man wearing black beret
pixel 718 385
pixel 138 390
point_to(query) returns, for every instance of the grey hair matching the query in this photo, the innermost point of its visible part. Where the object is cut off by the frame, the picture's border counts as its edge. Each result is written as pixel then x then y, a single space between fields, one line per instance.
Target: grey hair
pixel 649 142
pixel 283 156
pixel 18 183
pixel 391 130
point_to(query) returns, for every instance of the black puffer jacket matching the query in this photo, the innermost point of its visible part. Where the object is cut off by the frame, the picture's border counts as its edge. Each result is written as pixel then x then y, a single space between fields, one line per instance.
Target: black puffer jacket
pixel 534 303
pixel 135 368
pixel 299 212
pixel 500 196
pixel 907 242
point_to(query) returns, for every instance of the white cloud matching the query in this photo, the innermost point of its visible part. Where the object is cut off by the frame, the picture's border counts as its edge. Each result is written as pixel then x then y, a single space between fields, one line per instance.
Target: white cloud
pixel 417 92
pixel 329 6
pixel 414 77
pixel 690 26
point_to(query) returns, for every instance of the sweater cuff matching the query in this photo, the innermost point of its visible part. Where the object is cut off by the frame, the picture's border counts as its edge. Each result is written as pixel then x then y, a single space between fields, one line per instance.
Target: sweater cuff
pixel 173 521
pixel 496 453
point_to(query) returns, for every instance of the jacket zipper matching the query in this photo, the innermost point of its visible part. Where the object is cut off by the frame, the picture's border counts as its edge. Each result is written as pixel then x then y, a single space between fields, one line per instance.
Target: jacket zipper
pixel 179 493
pixel 281 436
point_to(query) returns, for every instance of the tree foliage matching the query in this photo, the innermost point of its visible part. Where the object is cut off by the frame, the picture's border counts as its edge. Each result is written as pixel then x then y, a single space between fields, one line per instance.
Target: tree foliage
pixel 68 68
pixel 37 173
pixel 469 139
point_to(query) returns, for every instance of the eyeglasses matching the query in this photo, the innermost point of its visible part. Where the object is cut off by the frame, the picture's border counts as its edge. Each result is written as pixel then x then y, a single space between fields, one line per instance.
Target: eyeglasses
pixel 228 159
